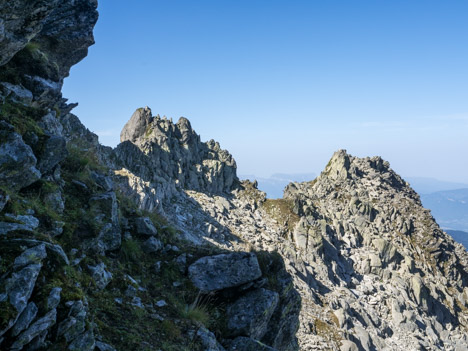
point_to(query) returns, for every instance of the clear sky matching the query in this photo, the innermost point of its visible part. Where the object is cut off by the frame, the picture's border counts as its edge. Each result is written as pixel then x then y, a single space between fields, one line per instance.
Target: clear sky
pixel 284 84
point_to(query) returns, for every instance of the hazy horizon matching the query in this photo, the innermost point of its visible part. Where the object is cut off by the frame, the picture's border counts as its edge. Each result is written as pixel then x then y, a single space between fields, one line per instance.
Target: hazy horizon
pixel 284 85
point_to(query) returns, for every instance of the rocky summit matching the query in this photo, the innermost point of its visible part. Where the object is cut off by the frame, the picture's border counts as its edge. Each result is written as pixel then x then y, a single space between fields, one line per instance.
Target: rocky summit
pixel 157 245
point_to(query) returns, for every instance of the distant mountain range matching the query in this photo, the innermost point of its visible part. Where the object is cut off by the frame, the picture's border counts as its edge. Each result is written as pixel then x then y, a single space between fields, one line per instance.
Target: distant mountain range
pixel 461 237
pixel 424 185
pixel 449 208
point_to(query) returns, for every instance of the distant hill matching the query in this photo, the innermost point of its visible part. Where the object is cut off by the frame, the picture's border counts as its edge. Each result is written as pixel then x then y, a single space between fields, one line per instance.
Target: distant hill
pixel 423 185
pixel 461 237
pixel 274 185
pixel 449 208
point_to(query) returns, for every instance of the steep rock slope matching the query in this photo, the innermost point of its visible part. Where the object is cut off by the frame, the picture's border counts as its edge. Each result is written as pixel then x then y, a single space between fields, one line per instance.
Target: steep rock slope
pixel 404 281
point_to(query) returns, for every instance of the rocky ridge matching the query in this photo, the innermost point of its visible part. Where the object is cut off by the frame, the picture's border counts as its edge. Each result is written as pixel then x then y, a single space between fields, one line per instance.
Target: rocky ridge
pixel 157 245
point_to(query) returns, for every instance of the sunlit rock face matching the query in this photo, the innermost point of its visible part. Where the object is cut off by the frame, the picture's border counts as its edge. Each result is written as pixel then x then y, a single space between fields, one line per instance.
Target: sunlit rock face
pixel 156 153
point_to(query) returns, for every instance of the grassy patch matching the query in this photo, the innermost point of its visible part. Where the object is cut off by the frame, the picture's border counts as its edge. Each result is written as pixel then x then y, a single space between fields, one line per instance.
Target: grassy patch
pixel 7 312
pixel 23 118
pixel 281 210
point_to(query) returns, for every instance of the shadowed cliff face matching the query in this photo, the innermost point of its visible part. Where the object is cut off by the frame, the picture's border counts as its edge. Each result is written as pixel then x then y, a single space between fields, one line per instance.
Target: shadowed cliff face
pixel 41 41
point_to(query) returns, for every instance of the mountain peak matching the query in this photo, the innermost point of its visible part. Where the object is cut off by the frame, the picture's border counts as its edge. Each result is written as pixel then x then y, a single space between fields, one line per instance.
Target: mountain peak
pixel 161 149
pixel 137 124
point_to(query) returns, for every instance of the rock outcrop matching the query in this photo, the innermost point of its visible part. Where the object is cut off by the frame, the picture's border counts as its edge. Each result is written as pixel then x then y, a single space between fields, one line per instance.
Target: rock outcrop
pixel 158 157
pixel 40 41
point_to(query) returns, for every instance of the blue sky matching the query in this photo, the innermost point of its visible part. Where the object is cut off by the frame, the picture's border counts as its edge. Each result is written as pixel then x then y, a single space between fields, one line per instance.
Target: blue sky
pixel 284 84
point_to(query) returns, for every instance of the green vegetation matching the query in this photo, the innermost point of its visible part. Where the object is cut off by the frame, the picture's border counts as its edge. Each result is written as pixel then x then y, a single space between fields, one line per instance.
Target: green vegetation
pixel 281 210
pixel 7 312
pixel 198 311
pixel 23 118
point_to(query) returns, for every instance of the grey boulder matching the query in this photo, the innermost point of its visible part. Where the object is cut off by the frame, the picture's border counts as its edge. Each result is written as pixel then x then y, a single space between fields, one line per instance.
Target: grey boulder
pixel 16 93
pixel 250 314
pixel 53 152
pixel 54 298
pixel 35 329
pixel 152 245
pixel 100 275
pixel 223 271
pixel 144 226
pixel 102 346
pixel 29 256
pixel 18 290
pixel 84 342
pixel 17 160
pixel 25 319
pixel 208 340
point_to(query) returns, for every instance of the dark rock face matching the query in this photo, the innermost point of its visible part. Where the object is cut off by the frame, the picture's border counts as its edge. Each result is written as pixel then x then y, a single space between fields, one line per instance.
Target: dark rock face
pixel 53 152
pixel 250 314
pixel 41 40
pixel 20 21
pixel 17 160
pixel 67 33
pixel 223 271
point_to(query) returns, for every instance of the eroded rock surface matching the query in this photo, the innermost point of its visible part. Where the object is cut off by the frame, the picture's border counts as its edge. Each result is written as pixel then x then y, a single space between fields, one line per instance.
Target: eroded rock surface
pixel 223 271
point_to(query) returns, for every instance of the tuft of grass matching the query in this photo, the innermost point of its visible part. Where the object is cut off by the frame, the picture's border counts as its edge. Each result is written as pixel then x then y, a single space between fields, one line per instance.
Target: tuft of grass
pixel 198 311
pixel 131 251
pixel 81 160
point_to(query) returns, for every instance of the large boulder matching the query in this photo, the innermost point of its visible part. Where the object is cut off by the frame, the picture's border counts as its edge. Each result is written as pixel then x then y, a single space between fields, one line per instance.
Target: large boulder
pixel 17 160
pixel 17 290
pixel 33 255
pixel 223 271
pixel 74 324
pixel 25 319
pixel 35 330
pixel 53 152
pixel 208 340
pixel 100 275
pixel 144 226
pixel 250 314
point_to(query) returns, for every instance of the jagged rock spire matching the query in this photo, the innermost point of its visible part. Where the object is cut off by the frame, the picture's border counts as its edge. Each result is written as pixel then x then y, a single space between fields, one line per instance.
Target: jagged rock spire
pixel 137 125
pixel 155 148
